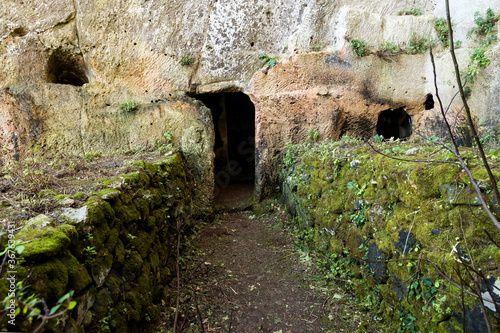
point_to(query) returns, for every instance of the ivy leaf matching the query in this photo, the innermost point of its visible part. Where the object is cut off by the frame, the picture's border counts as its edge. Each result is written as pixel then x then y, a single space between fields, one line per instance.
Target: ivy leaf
pixel 63 298
pixel 20 249
pixel 72 305
pixel 54 309
pixel 428 281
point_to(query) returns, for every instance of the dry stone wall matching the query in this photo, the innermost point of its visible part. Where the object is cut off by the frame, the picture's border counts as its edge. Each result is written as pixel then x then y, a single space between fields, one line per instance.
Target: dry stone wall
pixel 116 252
pixel 400 232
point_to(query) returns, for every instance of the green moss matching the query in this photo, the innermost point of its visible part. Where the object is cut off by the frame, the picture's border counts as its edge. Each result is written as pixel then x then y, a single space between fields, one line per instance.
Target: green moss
pixel 49 280
pixel 47 242
pixel 133 299
pixel 112 239
pixel 78 277
pixel 38 221
pixel 46 193
pixel 143 207
pixel 145 284
pixel 102 304
pixel 99 210
pixel 123 278
pixel 154 260
pixel 127 213
pixel 79 196
pixel 99 236
pixel 133 264
pixel 109 194
pixel 126 197
pixel 480 174
pixel 151 222
pixel 136 179
pixel 422 178
pixel 141 242
pixel 432 200
pixel 114 285
pixel 151 169
pixel 69 230
pixel 61 197
pixel 72 233
pixel 127 310
pixel 119 252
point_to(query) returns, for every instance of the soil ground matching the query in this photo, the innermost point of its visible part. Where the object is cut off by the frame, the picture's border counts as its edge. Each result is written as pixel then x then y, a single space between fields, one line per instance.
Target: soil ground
pixel 21 183
pixel 244 273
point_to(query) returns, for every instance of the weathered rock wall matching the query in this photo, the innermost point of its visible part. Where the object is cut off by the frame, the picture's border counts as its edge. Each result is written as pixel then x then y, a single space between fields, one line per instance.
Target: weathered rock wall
pixel 378 220
pixel 66 66
pixel 116 252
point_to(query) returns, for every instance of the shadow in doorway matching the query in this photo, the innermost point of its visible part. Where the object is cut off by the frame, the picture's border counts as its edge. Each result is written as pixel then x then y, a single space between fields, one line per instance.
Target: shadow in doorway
pixel 233 115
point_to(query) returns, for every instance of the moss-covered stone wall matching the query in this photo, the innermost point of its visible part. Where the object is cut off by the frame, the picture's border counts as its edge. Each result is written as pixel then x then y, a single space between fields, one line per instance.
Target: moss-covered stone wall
pixel 398 230
pixel 116 252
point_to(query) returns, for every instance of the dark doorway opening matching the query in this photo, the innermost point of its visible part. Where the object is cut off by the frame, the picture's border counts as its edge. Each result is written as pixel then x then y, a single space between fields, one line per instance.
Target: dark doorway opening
pixel 394 124
pixel 429 102
pixel 234 124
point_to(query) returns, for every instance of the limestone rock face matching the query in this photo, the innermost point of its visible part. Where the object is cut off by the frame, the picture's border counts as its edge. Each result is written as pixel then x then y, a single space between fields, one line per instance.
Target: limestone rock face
pixel 66 67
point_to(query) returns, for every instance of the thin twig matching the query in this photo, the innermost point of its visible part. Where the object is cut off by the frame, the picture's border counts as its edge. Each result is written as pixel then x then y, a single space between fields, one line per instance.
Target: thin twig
pixel 199 265
pixel 230 321
pixel 177 301
pixel 408 160
pixel 200 319
pixel 409 232
pixel 491 238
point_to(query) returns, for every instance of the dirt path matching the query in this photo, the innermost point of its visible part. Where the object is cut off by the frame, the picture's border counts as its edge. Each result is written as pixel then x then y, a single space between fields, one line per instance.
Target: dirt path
pixel 243 274
pixel 254 281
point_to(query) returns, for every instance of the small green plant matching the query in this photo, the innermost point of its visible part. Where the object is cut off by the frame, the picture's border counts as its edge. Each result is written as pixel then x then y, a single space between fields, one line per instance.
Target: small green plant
pixel 389 48
pixel 129 106
pixel 419 44
pixel 413 12
pixel 167 136
pixel 443 32
pixel 359 48
pixel 270 61
pixel 358 216
pixel 479 60
pixel 484 26
pixel 407 322
pixel 104 323
pixel 92 156
pixel 318 47
pixel 313 135
pixel 186 60
pixel 90 250
pixel 163 146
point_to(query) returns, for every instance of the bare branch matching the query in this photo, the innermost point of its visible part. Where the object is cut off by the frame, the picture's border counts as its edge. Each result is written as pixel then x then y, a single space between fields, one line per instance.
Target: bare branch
pixel 457 152
pixel 407 160
pixel 467 110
